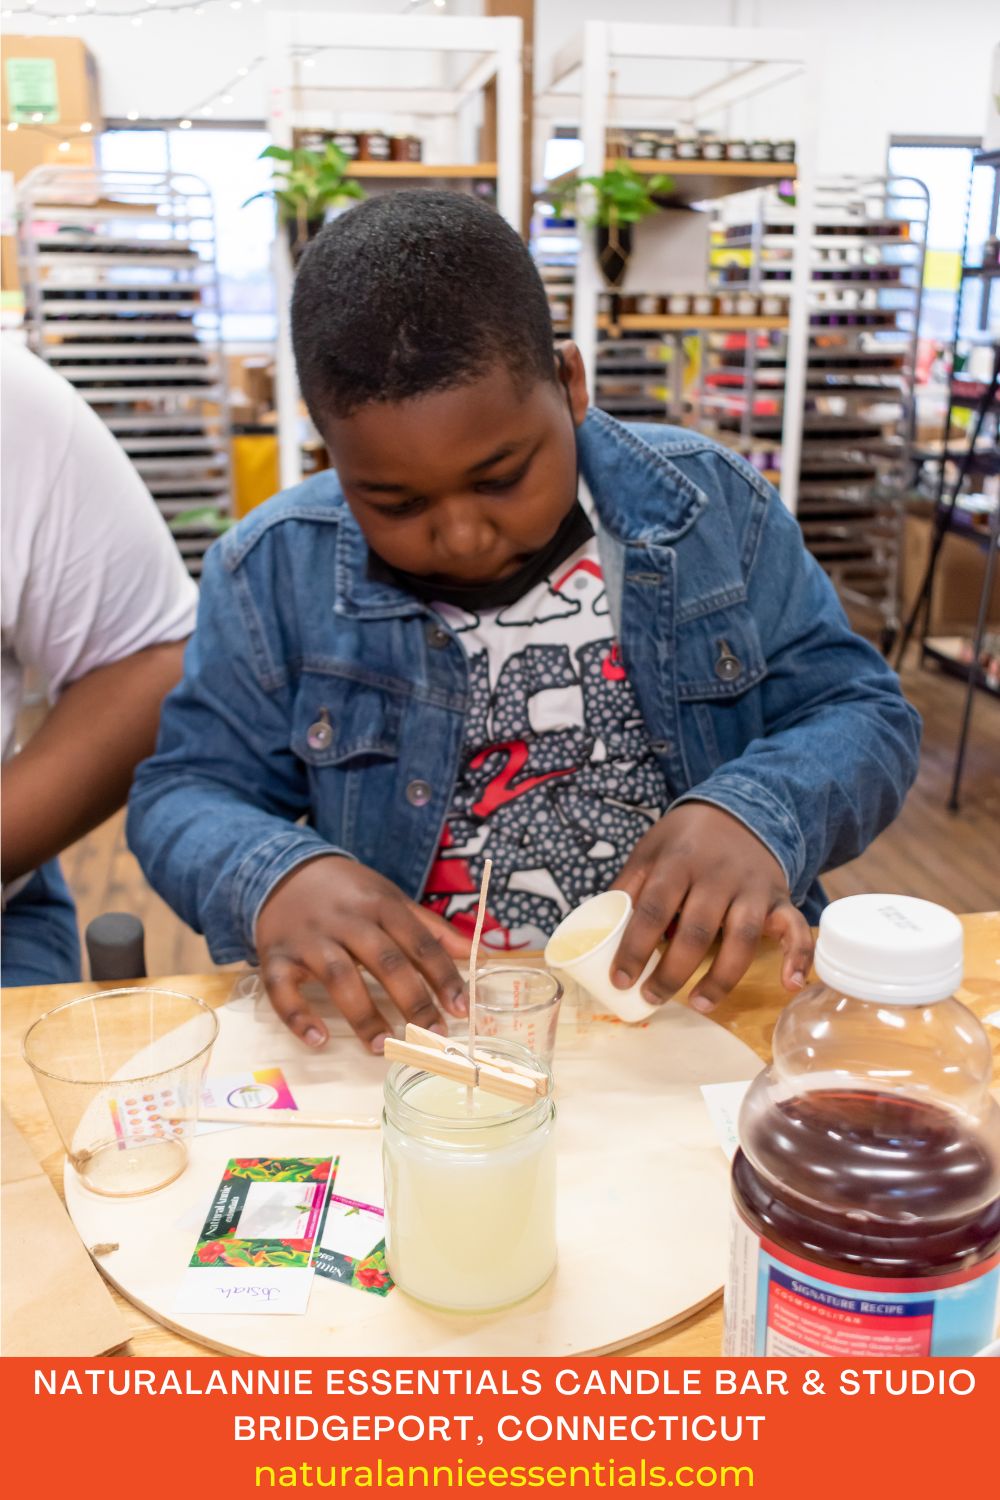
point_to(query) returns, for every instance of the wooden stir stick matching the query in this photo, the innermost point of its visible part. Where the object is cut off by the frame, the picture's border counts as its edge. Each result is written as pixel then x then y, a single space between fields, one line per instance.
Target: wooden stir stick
pixel 473 959
pixel 436 1054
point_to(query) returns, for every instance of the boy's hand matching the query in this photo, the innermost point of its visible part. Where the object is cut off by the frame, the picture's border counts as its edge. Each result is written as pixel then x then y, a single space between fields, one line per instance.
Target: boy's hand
pixel 708 870
pixel 332 914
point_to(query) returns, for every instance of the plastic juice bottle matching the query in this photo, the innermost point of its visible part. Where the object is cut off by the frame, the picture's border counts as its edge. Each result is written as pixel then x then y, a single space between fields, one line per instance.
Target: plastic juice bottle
pixel 867 1185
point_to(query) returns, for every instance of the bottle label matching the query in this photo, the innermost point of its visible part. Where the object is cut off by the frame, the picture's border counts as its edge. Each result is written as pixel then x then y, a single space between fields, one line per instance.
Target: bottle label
pixel 783 1305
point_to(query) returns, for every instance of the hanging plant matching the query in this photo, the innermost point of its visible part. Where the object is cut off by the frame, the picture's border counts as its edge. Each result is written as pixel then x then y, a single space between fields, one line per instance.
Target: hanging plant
pixel 622 198
pixel 306 186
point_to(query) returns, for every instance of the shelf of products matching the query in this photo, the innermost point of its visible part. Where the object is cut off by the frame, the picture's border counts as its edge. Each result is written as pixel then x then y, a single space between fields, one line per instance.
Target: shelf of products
pixel 865 279
pixel 700 181
pixel 121 299
pixel 422 170
pixel 969 450
pixel 600 81
pixel 675 323
pixel 481 53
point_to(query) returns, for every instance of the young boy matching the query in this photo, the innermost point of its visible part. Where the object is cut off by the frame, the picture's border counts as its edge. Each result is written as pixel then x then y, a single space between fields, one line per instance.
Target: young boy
pixel 429 657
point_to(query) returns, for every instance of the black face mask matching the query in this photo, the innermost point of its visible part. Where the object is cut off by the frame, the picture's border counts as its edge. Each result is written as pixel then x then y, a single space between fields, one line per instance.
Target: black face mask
pixel 573 531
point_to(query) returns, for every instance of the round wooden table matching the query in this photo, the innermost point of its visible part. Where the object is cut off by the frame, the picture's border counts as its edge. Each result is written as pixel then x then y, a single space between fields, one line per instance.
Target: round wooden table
pixel 749 1013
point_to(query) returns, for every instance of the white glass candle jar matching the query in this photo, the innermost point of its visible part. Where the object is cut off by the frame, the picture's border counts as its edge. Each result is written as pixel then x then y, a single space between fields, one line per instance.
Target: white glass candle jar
pixel 470 1194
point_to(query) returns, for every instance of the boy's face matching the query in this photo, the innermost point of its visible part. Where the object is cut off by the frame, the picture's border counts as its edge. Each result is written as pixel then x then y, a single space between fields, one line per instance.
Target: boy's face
pixel 464 485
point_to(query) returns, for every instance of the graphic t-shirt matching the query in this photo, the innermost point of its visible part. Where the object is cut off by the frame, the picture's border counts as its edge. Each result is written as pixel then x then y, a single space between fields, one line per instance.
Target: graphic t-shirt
pixel 557 780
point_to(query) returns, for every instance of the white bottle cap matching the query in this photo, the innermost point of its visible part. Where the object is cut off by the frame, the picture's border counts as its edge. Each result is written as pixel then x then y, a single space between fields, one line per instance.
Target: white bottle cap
pixel 893 949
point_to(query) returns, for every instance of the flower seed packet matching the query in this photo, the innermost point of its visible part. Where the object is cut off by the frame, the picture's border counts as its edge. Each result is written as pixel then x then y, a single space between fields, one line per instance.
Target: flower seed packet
pixel 352 1246
pixel 255 1251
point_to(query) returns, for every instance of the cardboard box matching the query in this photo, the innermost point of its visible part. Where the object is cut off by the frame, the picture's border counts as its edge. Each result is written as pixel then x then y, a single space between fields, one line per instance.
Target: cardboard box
pixel 74 98
pixel 77 91
pixel 958 579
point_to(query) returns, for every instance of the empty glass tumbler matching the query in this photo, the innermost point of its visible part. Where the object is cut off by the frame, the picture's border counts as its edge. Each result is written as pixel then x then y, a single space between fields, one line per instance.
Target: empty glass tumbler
pixel 121 1073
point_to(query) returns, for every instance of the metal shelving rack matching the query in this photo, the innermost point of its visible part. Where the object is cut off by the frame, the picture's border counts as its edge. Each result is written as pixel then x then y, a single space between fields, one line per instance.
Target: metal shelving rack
pixel 956 512
pixel 866 275
pixel 474 53
pixel 716 67
pixel 121 297
pixel 859 410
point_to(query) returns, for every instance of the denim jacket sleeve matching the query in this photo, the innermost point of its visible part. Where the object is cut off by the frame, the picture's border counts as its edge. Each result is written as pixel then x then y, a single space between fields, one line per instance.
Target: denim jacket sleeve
pixel 841 743
pixel 212 815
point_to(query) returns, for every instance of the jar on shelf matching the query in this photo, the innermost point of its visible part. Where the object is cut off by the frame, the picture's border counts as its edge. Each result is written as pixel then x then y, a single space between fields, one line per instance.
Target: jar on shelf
pixel 406 148
pixel 666 148
pixel 470 1192
pixel 761 150
pixel 643 144
pixel 772 306
pixel 703 304
pixel 688 148
pixel 784 151
pixel 346 141
pixel 678 304
pixel 712 149
pixel 374 145
pixel 747 305
pixel 648 304
pixel 737 150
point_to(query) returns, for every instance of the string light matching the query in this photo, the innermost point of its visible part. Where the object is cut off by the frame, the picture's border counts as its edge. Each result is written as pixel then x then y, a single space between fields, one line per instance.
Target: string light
pixel 94 8
pixel 133 114
pixel 64 145
pixel 12 125
pixel 184 124
pixel 163 7
pixel 86 128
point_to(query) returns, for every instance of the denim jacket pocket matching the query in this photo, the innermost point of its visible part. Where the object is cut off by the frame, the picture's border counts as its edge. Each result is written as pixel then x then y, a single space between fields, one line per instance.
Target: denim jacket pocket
pixel 719 660
pixel 719 655
pixel 340 722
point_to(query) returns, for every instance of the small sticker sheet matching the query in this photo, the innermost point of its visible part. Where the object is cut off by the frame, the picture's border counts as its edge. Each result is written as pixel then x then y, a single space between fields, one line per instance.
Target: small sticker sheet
pixel 255 1250
pixel 143 1117
pixel 352 1246
pixel 723 1101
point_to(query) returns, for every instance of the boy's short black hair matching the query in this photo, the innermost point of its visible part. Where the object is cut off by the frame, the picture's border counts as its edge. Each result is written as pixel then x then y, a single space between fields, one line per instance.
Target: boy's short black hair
pixel 413 292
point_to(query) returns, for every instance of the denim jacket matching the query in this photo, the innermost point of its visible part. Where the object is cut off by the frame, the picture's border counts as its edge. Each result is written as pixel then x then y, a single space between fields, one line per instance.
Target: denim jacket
pixel 756 694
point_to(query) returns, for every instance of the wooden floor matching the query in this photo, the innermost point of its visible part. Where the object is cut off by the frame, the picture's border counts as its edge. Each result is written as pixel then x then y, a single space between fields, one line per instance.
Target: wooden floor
pixel 950 858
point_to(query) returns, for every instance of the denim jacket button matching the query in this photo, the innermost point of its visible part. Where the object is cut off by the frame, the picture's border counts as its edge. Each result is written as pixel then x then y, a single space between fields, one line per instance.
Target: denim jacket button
pixel 418 793
pixel 319 735
pixel 437 636
pixel 728 667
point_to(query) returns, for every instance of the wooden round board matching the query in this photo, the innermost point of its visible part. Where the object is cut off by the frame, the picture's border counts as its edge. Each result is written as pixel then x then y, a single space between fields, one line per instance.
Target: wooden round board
pixel 643 1196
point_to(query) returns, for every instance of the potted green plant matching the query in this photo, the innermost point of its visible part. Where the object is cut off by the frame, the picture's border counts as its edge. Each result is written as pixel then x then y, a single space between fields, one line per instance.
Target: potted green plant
pixel 306 185
pixel 622 198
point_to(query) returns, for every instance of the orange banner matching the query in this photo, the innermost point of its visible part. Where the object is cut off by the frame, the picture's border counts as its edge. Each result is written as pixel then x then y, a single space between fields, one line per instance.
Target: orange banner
pixel 239 1428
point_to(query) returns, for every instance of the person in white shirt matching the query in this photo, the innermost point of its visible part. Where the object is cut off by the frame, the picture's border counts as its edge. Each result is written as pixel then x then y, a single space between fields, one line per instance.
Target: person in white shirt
pixel 95 600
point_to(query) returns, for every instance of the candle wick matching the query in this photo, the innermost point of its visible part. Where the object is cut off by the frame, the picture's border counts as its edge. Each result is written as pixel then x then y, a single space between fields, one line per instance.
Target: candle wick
pixel 473 959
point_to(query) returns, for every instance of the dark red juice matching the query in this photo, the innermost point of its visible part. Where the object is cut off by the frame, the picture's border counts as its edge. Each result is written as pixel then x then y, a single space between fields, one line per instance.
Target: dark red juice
pixel 871 1184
